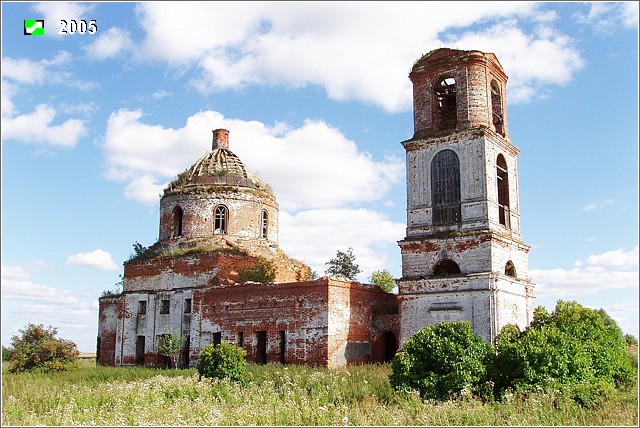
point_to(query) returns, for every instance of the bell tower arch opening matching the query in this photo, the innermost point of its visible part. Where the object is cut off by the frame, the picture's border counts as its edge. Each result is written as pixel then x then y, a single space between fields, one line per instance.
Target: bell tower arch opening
pixel 496 108
pixel 445 105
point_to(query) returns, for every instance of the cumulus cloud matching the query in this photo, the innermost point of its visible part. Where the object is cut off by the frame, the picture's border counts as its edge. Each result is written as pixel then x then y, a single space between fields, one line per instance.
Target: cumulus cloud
pixel 309 167
pixel 24 301
pixel 314 236
pixel 97 259
pixel 109 44
pixel 613 270
pixel 606 17
pixel 534 61
pixel 366 59
pixel 38 127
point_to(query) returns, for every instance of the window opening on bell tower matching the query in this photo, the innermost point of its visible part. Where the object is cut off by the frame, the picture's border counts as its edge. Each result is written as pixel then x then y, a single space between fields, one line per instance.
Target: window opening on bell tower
pixel 504 216
pixel 446 267
pixel 445 188
pixel 496 108
pixel 445 111
pixel 510 269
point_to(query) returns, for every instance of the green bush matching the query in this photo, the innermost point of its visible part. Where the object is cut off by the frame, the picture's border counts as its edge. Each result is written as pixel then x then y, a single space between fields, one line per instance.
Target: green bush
pixel 38 348
pixel 6 354
pixel 572 347
pixel 224 360
pixel 263 272
pixel 442 360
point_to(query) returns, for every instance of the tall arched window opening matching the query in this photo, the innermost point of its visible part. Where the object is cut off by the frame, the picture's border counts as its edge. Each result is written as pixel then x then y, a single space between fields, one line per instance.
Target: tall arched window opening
pixel 496 108
pixel 220 217
pixel 264 224
pixel 445 111
pixel 445 188
pixel 177 222
pixel 504 216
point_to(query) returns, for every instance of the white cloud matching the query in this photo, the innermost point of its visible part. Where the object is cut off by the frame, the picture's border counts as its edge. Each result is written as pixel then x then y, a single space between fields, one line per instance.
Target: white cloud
pixel 532 60
pixel 314 236
pixel 23 301
pixel 606 17
pixel 32 72
pixel 625 314
pixel 620 258
pixel 593 206
pixel 37 127
pixel 309 167
pixel 608 281
pixel 367 59
pixel 97 259
pixel 160 94
pixel 613 270
pixel 109 44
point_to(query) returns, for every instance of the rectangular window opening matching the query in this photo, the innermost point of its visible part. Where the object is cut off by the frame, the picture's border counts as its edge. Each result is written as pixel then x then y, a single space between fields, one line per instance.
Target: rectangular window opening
pixel 164 306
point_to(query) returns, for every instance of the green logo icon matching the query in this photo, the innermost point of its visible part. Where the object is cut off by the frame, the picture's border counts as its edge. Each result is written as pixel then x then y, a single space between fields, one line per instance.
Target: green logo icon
pixel 34 27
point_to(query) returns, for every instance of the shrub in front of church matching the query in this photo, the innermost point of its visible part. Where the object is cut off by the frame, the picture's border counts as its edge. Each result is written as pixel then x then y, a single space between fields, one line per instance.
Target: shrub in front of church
pixel 39 348
pixel 577 350
pixel 223 361
pixel 441 361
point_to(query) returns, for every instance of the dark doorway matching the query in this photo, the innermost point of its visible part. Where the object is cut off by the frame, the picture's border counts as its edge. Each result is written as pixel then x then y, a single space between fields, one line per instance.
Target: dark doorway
pixel 140 351
pixel 261 347
pixel 390 345
pixel 283 346
pixel 217 338
pixel 185 352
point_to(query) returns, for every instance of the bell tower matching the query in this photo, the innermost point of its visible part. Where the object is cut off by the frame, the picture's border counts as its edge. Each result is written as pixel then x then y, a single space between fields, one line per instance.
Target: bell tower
pixel 463 257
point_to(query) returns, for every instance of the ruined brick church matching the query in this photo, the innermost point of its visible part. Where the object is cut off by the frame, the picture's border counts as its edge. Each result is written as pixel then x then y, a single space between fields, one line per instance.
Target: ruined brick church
pixel 463 257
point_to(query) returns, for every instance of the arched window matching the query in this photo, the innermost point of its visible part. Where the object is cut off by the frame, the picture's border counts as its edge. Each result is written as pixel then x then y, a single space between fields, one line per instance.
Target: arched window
pixel 177 222
pixel 510 269
pixel 445 111
pixel 504 216
pixel 496 108
pixel 445 188
pixel 446 267
pixel 220 217
pixel 264 224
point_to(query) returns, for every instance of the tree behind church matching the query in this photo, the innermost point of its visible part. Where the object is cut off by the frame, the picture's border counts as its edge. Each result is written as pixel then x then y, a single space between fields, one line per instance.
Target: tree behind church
pixel 343 265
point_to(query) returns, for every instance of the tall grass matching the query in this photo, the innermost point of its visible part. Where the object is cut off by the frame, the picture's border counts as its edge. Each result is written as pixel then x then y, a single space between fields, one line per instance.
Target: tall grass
pixel 290 395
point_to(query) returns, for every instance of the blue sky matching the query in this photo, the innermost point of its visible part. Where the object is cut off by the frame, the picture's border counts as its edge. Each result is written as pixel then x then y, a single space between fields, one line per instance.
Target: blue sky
pixel 317 100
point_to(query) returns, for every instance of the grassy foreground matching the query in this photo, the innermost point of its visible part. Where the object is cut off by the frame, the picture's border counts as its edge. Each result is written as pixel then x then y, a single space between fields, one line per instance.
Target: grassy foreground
pixel 291 395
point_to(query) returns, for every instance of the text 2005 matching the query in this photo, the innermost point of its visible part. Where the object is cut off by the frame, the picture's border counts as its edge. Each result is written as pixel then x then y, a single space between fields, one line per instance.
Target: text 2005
pixel 71 26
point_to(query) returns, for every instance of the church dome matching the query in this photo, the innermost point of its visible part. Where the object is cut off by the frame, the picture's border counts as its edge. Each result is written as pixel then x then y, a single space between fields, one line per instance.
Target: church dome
pixel 220 166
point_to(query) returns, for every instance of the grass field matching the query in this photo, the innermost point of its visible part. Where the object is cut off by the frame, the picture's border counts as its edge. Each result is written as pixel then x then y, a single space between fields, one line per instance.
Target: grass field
pixel 275 395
